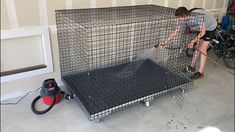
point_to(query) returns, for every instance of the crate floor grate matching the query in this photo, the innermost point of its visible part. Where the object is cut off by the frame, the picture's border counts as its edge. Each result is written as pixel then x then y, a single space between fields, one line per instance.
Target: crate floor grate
pixel 102 90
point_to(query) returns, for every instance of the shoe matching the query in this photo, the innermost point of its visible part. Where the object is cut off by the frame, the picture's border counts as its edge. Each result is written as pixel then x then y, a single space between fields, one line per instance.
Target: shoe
pixel 189 69
pixel 196 75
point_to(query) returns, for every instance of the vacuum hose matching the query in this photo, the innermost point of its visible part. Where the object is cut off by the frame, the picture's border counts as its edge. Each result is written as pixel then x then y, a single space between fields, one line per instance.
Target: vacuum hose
pixel 44 111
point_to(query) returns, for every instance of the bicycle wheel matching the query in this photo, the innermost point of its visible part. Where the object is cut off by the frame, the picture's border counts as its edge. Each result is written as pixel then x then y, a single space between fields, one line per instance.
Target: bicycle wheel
pixel 229 57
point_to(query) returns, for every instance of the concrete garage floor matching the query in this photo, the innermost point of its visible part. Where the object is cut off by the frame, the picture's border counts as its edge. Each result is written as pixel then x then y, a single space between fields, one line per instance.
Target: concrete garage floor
pixel 209 103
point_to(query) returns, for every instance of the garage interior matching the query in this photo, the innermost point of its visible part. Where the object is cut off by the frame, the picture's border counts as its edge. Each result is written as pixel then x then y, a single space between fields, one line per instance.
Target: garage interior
pixel 38 43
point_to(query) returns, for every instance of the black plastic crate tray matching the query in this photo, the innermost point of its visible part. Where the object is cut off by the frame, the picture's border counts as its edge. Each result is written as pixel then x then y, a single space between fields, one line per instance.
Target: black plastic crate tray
pixel 103 89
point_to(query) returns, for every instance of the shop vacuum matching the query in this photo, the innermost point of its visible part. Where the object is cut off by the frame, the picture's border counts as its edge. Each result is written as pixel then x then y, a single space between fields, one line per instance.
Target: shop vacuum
pixel 51 94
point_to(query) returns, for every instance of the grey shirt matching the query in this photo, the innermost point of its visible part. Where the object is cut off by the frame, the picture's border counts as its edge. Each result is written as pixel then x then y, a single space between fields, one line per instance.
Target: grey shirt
pixel 209 21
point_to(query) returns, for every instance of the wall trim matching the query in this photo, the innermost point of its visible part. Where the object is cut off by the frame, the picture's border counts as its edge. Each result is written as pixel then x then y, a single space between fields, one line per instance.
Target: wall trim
pixel 69 4
pixel 218 10
pixel 204 4
pixel 93 3
pixel 43 12
pixel 226 2
pixel 213 4
pixel 12 95
pixel 11 12
pixel 180 3
pixel 53 28
pixel 166 3
pixel 150 2
pixel 133 2
pixel 21 93
pixel 192 4
pixel 213 10
pixel 114 3
pixel 27 32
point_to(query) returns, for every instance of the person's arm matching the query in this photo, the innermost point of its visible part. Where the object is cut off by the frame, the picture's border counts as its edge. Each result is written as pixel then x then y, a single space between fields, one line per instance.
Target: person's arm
pixel 170 37
pixel 202 33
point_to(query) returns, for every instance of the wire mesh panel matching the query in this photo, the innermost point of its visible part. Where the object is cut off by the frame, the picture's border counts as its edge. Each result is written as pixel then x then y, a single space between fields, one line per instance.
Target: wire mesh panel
pixel 109 59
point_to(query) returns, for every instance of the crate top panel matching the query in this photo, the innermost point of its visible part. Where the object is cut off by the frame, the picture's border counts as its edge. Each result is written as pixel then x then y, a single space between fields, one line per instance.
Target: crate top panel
pixel 99 17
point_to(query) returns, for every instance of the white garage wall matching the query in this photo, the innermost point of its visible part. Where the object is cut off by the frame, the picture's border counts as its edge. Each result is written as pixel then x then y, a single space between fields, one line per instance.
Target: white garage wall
pixel 22 13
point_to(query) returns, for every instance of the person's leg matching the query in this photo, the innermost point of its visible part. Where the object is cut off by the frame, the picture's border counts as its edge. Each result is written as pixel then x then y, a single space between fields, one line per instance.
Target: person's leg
pixel 203 49
pixel 191 68
pixel 196 54
pixel 204 43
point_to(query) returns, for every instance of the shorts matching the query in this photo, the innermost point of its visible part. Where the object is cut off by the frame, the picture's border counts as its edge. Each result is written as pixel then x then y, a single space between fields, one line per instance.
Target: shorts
pixel 209 35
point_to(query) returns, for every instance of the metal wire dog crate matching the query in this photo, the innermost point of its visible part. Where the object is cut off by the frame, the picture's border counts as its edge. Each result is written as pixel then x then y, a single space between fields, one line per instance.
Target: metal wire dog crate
pixel 108 60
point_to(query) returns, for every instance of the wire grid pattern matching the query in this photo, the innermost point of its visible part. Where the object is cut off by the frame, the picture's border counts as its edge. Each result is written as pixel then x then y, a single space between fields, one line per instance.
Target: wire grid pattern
pixel 102 38
pixel 101 96
pixel 117 15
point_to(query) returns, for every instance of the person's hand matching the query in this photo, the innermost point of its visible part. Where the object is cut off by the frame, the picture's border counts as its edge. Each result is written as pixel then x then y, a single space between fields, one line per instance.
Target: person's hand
pixel 161 45
pixel 190 45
